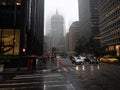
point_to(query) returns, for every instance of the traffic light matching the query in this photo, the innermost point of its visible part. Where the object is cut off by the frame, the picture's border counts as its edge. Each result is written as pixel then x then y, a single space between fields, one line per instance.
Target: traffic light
pixel 24 50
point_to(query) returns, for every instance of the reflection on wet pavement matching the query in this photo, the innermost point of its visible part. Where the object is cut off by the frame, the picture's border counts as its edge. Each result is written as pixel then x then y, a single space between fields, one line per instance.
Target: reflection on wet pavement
pixel 91 68
pixel 98 66
pixel 77 68
pixel 83 67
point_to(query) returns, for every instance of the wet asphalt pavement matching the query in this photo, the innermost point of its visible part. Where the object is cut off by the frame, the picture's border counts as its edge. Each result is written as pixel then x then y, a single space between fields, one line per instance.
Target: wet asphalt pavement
pixel 64 76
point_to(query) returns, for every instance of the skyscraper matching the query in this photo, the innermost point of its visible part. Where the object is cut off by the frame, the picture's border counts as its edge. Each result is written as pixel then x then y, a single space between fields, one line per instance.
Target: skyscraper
pixel 88 17
pixel 57 29
pixel 109 16
pixel 74 36
pixel 21 26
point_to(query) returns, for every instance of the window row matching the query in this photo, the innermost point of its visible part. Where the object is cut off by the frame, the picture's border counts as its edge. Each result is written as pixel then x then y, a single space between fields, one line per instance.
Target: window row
pixel 107 26
pixel 110 42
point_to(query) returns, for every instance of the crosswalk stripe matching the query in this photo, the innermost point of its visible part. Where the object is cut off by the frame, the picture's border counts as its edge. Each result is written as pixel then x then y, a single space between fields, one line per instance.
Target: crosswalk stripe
pixel 35 76
pixel 70 87
pixel 71 69
pixel 55 81
pixel 59 70
pixel 25 83
pixel 21 83
pixel 29 75
pixel 65 69
pixel 21 88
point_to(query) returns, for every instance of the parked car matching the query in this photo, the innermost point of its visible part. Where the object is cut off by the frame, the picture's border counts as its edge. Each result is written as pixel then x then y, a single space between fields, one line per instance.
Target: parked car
pixel 108 59
pixel 82 57
pixel 91 60
pixel 78 60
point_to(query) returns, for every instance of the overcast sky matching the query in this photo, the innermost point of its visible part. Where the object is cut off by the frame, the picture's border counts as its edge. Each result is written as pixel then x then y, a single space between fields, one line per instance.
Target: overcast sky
pixel 67 8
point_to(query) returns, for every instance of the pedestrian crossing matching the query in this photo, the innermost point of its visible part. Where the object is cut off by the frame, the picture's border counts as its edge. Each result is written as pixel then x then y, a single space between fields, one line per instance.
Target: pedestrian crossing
pixel 46 81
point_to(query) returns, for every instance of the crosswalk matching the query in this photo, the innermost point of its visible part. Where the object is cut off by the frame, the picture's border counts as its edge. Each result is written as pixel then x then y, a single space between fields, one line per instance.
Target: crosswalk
pixel 67 69
pixel 47 79
pixel 44 81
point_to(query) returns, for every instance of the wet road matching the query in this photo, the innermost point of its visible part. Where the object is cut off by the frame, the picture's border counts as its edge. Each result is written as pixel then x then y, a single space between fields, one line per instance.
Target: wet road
pixel 67 76
pixel 101 76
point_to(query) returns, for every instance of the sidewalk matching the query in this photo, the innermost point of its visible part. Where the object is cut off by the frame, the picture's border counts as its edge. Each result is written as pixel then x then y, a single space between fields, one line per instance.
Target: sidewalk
pixel 39 66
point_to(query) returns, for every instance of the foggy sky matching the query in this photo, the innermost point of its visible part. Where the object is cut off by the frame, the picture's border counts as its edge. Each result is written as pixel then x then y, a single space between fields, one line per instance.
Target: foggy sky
pixel 67 8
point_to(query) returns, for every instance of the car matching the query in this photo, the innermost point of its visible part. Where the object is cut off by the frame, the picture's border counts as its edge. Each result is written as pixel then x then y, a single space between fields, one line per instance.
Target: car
pixel 108 59
pixel 78 60
pixel 83 57
pixel 92 60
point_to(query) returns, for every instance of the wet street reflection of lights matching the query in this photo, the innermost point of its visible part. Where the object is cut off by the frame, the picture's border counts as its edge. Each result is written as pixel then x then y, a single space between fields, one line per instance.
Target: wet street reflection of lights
pixel 98 66
pixel 83 67
pixel 91 68
pixel 77 68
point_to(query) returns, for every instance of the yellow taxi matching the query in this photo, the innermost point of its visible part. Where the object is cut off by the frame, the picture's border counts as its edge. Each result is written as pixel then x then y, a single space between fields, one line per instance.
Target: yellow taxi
pixel 108 59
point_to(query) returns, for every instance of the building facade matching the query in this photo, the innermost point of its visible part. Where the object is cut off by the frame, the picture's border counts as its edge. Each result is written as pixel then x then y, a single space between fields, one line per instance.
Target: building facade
pixel 21 20
pixel 109 16
pixel 57 32
pixel 84 18
pixel 67 43
pixel 21 26
pixel 10 11
pixel 74 35
pixel 89 21
pixel 34 26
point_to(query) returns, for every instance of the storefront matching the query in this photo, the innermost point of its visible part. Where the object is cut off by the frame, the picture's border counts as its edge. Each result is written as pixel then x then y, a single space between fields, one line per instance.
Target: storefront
pixel 115 48
pixel 118 50
pixel 10 41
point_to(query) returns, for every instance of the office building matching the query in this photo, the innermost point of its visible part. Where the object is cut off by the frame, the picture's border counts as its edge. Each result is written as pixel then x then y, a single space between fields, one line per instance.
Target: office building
pixel 21 24
pixel 57 32
pixel 74 35
pixel 109 16
pixel 21 27
pixel 88 17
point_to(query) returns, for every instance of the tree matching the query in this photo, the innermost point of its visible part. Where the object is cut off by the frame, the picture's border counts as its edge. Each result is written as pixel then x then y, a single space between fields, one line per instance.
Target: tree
pixel 82 46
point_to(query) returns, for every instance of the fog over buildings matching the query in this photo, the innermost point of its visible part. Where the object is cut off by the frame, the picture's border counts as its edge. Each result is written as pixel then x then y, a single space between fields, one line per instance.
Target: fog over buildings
pixel 68 10
pixel 57 34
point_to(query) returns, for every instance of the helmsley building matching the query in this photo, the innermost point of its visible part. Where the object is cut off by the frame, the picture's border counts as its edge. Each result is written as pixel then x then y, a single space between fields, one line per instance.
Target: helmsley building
pixel 21 26
pixel 109 16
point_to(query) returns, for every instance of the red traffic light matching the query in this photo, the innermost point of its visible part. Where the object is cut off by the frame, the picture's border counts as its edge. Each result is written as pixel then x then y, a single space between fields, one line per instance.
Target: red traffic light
pixel 24 50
